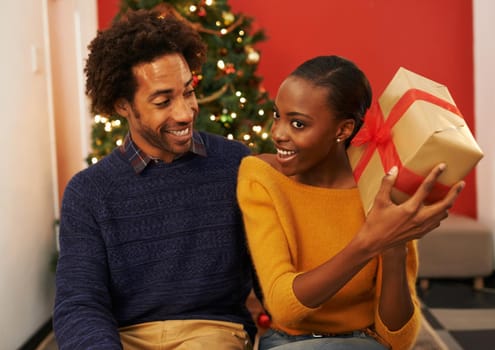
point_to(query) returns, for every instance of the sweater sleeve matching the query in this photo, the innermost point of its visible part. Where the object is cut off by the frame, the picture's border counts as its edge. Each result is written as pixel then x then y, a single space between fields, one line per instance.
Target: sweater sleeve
pixel 269 249
pixel 404 338
pixel 82 315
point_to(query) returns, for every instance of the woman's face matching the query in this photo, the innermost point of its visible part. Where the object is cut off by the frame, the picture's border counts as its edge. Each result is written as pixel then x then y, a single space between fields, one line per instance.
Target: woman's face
pixel 304 129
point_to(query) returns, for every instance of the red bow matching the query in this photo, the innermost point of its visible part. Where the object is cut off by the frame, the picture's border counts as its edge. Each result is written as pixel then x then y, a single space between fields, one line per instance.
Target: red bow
pixel 376 133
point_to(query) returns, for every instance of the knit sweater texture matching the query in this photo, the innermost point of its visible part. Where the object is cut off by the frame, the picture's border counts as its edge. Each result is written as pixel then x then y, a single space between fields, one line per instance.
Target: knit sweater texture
pixel 165 244
pixel 292 228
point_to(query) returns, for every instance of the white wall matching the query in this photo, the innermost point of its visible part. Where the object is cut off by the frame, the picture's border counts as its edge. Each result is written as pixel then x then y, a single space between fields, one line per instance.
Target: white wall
pixel 484 102
pixel 73 24
pixel 28 164
pixel 26 174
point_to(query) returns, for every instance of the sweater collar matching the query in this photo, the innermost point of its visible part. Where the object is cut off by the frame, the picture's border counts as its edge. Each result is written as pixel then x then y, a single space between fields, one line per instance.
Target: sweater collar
pixel 139 159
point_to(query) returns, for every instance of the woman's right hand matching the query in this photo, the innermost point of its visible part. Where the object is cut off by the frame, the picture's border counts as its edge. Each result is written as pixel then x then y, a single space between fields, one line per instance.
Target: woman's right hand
pixel 389 224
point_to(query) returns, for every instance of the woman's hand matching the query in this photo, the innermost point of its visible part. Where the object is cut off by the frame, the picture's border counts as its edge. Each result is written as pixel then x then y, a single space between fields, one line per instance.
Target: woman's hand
pixel 389 224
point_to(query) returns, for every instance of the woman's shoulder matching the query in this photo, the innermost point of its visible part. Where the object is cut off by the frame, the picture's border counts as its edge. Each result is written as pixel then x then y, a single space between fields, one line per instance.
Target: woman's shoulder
pixel 268 158
pixel 264 162
pixel 261 168
pixel 261 160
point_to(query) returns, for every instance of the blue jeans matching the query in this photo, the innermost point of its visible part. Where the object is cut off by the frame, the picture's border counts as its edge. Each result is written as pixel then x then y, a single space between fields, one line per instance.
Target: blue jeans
pixel 357 340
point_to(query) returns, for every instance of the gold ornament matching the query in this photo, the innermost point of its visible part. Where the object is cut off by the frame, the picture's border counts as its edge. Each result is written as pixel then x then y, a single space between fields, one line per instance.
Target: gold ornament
pixel 252 56
pixel 228 18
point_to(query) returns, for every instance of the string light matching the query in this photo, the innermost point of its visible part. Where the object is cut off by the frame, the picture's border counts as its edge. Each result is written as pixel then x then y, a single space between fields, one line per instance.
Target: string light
pixel 257 128
pixel 261 112
pixel 100 119
pixel 221 64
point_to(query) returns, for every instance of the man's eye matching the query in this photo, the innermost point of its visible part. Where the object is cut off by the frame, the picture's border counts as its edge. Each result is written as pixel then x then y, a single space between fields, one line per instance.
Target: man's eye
pixel 276 115
pixel 163 103
pixel 297 124
pixel 189 93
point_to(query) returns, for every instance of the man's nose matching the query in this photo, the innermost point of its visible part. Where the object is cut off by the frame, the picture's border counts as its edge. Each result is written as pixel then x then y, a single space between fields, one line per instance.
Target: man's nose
pixel 185 110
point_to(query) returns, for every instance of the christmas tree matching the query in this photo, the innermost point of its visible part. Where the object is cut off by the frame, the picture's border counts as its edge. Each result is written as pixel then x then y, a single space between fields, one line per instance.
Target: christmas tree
pixel 231 99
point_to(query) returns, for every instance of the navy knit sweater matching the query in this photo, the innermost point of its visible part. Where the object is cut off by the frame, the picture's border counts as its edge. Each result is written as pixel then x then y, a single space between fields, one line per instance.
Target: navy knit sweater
pixel 164 244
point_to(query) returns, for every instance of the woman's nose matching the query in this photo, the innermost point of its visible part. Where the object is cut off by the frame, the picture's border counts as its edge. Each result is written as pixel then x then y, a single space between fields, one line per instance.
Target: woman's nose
pixel 278 131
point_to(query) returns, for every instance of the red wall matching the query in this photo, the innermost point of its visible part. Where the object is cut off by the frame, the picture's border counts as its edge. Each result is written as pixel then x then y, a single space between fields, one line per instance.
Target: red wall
pixel 107 9
pixel 432 38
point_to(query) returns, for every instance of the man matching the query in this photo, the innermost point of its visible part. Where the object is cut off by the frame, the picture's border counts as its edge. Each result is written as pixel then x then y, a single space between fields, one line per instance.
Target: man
pixel 152 250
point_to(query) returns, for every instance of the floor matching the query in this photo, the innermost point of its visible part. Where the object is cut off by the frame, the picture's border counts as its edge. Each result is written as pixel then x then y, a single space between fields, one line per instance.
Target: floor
pixel 463 318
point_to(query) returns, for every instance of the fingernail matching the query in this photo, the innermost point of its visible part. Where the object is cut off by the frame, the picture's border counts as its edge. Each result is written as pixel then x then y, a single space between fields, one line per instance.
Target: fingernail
pixel 393 170
pixel 461 187
pixel 442 166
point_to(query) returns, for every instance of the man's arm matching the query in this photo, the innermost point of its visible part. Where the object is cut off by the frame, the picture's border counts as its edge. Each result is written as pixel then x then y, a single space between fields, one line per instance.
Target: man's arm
pixel 83 316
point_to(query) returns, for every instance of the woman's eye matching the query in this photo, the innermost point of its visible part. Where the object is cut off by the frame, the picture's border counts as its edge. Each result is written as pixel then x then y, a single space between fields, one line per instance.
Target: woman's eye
pixel 297 124
pixel 276 115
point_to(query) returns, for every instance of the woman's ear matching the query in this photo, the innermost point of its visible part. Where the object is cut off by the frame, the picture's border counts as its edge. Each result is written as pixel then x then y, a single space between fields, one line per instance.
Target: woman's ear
pixel 122 107
pixel 345 129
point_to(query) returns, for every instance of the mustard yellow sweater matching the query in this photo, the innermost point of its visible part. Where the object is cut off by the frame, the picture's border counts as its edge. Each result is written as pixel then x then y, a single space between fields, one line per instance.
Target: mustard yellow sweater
pixel 291 228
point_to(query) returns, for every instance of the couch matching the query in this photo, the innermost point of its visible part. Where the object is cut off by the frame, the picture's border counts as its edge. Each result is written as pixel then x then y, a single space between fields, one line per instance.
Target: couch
pixel 461 247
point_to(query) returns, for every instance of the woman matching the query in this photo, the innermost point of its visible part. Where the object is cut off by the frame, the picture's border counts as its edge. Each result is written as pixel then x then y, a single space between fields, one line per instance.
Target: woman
pixel 331 277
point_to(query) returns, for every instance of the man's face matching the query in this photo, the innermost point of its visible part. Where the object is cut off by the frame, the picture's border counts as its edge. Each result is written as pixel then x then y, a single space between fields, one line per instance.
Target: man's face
pixel 162 114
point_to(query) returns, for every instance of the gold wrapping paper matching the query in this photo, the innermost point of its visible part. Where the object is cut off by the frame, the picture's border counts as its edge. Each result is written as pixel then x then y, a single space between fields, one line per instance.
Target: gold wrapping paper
pixel 424 134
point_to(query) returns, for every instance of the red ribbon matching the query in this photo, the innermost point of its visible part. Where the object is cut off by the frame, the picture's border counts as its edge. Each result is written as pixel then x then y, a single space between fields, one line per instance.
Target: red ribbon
pixel 376 133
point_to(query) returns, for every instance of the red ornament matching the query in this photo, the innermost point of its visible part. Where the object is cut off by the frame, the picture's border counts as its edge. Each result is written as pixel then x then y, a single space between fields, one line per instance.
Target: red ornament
pixel 229 68
pixel 264 320
pixel 202 12
pixel 196 80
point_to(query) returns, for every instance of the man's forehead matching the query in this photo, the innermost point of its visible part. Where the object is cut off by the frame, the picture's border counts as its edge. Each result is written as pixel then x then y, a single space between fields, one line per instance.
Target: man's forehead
pixel 169 72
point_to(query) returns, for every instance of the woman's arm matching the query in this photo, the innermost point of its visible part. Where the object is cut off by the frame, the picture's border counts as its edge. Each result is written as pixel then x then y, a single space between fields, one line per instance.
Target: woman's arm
pixel 387 228
pixel 398 313
pixel 395 303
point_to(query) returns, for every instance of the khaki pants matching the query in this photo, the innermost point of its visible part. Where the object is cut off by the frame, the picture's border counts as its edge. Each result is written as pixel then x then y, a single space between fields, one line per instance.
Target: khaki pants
pixel 185 335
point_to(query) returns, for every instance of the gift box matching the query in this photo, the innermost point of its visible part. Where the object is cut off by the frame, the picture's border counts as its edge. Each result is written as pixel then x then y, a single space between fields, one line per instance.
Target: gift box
pixel 415 125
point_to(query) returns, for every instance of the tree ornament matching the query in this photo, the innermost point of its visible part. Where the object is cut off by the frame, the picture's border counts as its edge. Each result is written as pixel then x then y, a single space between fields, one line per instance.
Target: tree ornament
pixel 197 79
pixel 252 56
pixel 228 18
pixel 201 12
pixel 229 68
pixel 264 320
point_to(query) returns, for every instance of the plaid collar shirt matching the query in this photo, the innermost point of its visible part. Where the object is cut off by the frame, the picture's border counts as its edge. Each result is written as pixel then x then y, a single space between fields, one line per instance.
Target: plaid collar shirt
pixel 139 159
